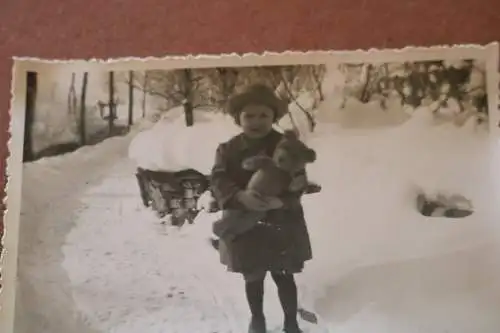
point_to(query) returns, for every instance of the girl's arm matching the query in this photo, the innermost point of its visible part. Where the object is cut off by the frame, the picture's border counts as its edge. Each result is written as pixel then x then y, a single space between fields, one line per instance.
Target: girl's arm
pixel 223 188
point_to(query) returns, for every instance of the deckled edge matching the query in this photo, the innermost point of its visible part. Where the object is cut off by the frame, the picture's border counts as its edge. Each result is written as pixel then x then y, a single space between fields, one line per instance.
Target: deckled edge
pixel 492 68
pixel 10 238
pixel 268 58
pixel 493 92
pixel 8 257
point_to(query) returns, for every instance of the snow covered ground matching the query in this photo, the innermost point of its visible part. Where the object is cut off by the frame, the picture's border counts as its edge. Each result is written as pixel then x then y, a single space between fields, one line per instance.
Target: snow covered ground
pixel 92 259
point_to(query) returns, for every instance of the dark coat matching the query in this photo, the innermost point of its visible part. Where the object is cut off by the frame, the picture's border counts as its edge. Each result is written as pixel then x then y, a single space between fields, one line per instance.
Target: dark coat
pixel 282 241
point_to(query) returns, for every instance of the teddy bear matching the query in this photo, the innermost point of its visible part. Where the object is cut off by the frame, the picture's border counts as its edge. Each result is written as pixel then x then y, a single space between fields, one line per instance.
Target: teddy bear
pixel 272 177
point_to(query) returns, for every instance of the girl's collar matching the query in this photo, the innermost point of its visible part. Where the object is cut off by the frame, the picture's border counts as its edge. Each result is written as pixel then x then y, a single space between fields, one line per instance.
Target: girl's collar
pixel 247 142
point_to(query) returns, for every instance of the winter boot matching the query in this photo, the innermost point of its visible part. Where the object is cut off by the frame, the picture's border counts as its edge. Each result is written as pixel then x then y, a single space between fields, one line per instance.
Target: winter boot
pixel 291 326
pixel 257 325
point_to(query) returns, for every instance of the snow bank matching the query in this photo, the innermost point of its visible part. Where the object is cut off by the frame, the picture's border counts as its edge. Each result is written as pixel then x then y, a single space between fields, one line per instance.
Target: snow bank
pixel 171 146
pixel 366 213
pixel 54 125
pixel 358 115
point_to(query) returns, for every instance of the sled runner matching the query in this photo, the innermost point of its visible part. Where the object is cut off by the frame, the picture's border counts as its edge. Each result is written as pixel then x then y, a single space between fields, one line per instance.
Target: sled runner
pixel 173 195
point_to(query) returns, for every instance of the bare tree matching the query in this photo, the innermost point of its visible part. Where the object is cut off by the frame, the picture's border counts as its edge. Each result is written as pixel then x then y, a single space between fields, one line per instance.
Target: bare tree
pixel 194 88
pixel 72 100
pixel 287 78
pixel 176 87
pixel 188 94
pixel 31 92
pixel 130 99
pixel 144 93
pixel 318 73
pixel 267 75
pixel 220 85
pixel 82 129
pixel 111 102
pixel 416 83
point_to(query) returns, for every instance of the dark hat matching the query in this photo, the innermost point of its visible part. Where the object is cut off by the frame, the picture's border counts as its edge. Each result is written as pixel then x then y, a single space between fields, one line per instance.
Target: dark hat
pixel 258 94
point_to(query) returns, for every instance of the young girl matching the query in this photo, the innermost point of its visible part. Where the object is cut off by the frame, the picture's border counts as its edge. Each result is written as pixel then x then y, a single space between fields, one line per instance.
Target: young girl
pixel 280 244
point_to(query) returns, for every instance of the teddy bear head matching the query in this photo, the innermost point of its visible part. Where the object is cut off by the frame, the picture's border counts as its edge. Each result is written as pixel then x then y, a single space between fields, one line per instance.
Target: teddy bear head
pixel 291 154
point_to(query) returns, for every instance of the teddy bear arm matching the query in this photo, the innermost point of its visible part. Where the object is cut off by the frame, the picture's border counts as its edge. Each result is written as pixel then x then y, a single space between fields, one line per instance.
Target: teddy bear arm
pixel 298 183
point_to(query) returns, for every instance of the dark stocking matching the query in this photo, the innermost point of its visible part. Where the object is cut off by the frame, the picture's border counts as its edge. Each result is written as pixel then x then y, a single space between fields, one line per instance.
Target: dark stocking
pixel 255 297
pixel 287 292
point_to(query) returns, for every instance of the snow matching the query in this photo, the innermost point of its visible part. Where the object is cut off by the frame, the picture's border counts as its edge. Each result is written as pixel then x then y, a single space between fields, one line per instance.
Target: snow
pixel 173 143
pixel 55 124
pixel 296 119
pixel 378 265
pixel 51 193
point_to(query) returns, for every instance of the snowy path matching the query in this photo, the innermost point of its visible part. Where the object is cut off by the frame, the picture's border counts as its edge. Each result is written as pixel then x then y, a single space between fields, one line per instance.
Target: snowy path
pixel 153 277
pixel 50 196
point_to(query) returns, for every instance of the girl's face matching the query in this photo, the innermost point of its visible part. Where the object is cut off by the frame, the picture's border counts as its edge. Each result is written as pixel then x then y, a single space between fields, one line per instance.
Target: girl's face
pixel 256 120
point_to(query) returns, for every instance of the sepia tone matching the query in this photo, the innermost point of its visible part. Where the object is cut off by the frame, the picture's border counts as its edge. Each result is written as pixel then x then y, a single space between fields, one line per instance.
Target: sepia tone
pixel 301 27
pixel 436 107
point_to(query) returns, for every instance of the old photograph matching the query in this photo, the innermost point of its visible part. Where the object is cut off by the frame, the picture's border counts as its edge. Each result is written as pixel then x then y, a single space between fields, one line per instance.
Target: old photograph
pixel 300 192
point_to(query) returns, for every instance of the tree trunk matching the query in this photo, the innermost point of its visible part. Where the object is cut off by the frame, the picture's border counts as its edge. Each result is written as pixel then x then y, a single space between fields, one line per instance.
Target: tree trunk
pixel 188 94
pixel 144 94
pixel 365 93
pixel 289 93
pixel 131 99
pixel 31 91
pixel 318 83
pixel 83 132
pixel 188 111
pixel 72 100
pixel 111 103
pixel 228 77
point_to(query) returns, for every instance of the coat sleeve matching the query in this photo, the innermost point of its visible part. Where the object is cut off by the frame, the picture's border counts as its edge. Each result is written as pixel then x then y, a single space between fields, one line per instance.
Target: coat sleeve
pixel 223 188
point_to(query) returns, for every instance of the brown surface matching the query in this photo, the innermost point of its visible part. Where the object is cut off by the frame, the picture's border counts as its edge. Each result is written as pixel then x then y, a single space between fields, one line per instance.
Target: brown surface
pixel 113 28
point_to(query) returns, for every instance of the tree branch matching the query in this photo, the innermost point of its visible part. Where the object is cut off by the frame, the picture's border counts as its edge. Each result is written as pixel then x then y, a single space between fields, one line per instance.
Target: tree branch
pixel 312 122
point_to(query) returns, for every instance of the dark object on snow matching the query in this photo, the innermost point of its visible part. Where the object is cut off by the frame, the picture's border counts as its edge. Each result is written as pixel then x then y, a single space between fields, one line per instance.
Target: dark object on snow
pixel 455 206
pixel 308 316
pixel 173 194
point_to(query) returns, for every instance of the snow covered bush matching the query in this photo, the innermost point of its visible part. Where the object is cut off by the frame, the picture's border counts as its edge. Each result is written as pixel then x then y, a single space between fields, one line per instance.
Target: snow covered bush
pixel 172 146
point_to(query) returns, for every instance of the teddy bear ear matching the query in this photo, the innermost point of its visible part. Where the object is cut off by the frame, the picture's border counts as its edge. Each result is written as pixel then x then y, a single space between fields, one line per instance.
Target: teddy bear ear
pixel 290 134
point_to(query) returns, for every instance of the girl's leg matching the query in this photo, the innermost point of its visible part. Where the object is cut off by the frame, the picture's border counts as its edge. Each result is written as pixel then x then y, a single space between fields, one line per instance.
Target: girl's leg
pixel 254 288
pixel 287 292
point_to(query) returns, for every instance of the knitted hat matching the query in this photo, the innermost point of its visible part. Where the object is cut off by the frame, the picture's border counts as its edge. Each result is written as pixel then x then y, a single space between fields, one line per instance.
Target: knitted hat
pixel 257 94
